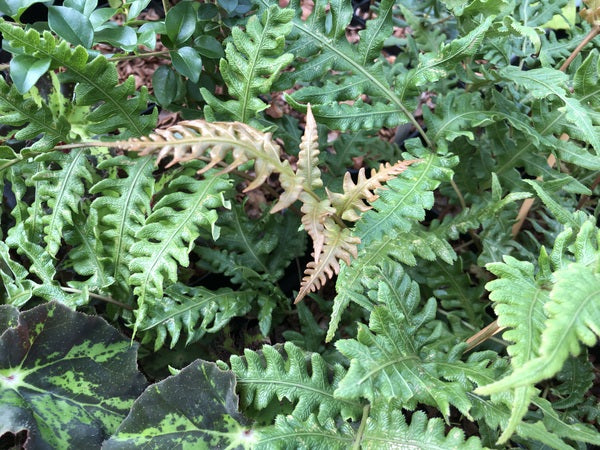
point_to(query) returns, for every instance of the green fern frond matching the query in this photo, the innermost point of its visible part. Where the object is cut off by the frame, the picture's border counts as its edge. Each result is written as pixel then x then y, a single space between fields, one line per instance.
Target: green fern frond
pixel 42 266
pixel 386 427
pixel 560 314
pixel 61 191
pixel 265 245
pixel 122 209
pixel 305 380
pixel 404 200
pixel 392 357
pixel 21 111
pixel 120 107
pixel 320 43
pixel 17 289
pixel 288 432
pixel 193 310
pixel 85 256
pixel 254 59
pixel 168 235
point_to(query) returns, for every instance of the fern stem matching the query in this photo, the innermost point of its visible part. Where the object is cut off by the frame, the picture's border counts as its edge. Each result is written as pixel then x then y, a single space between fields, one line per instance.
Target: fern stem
pixel 361 428
pixel 591 35
pixel 98 297
pixel 118 58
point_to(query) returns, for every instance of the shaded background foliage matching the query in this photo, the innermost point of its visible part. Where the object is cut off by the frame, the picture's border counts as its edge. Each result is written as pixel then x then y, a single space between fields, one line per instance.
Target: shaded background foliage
pixel 496 103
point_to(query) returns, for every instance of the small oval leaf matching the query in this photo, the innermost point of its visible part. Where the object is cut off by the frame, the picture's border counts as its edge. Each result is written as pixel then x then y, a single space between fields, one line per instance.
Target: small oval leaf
pixel 209 46
pixel 26 70
pixel 181 22
pixel 71 25
pixel 187 62
pixel 164 83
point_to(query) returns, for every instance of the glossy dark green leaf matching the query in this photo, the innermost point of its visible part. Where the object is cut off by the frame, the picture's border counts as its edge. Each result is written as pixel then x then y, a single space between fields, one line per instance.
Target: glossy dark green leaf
pixel 187 62
pixel 26 70
pixel 85 7
pixel 209 46
pixel 66 378
pixel 136 7
pixel 164 83
pixel 228 5
pixel 100 16
pixel 207 11
pixel 71 25
pixel 14 8
pixel 197 408
pixel 118 36
pixel 181 22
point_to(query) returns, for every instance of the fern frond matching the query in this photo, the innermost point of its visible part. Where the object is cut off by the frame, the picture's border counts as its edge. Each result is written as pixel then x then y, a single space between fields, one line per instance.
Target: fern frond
pixel 339 244
pixel 265 245
pixel 314 214
pixel 61 191
pixel 350 205
pixel 193 310
pixel 385 428
pixel 122 209
pixel 391 358
pixel 198 139
pixel 18 110
pixel 305 380
pixel 254 59
pixel 120 105
pixel 42 266
pixel 17 289
pixel 168 235
pixel 308 157
pixel 404 200
pixel 85 256
pixel 548 325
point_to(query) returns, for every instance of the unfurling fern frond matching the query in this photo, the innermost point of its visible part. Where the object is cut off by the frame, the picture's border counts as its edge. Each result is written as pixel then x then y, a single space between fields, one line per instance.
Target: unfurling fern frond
pixel 306 380
pixel 198 139
pixel 214 141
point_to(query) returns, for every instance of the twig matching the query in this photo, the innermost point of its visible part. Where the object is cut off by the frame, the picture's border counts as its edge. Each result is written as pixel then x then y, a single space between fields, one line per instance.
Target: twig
pixel 591 35
pixel 528 202
pixel 483 335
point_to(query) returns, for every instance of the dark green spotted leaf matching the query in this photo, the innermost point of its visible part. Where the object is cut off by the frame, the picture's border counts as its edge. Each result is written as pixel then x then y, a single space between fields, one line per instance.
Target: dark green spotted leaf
pixel 197 408
pixel 67 379
pixel 9 317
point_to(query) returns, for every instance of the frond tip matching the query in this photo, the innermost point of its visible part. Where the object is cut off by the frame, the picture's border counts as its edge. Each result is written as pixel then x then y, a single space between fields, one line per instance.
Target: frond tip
pixel 339 245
